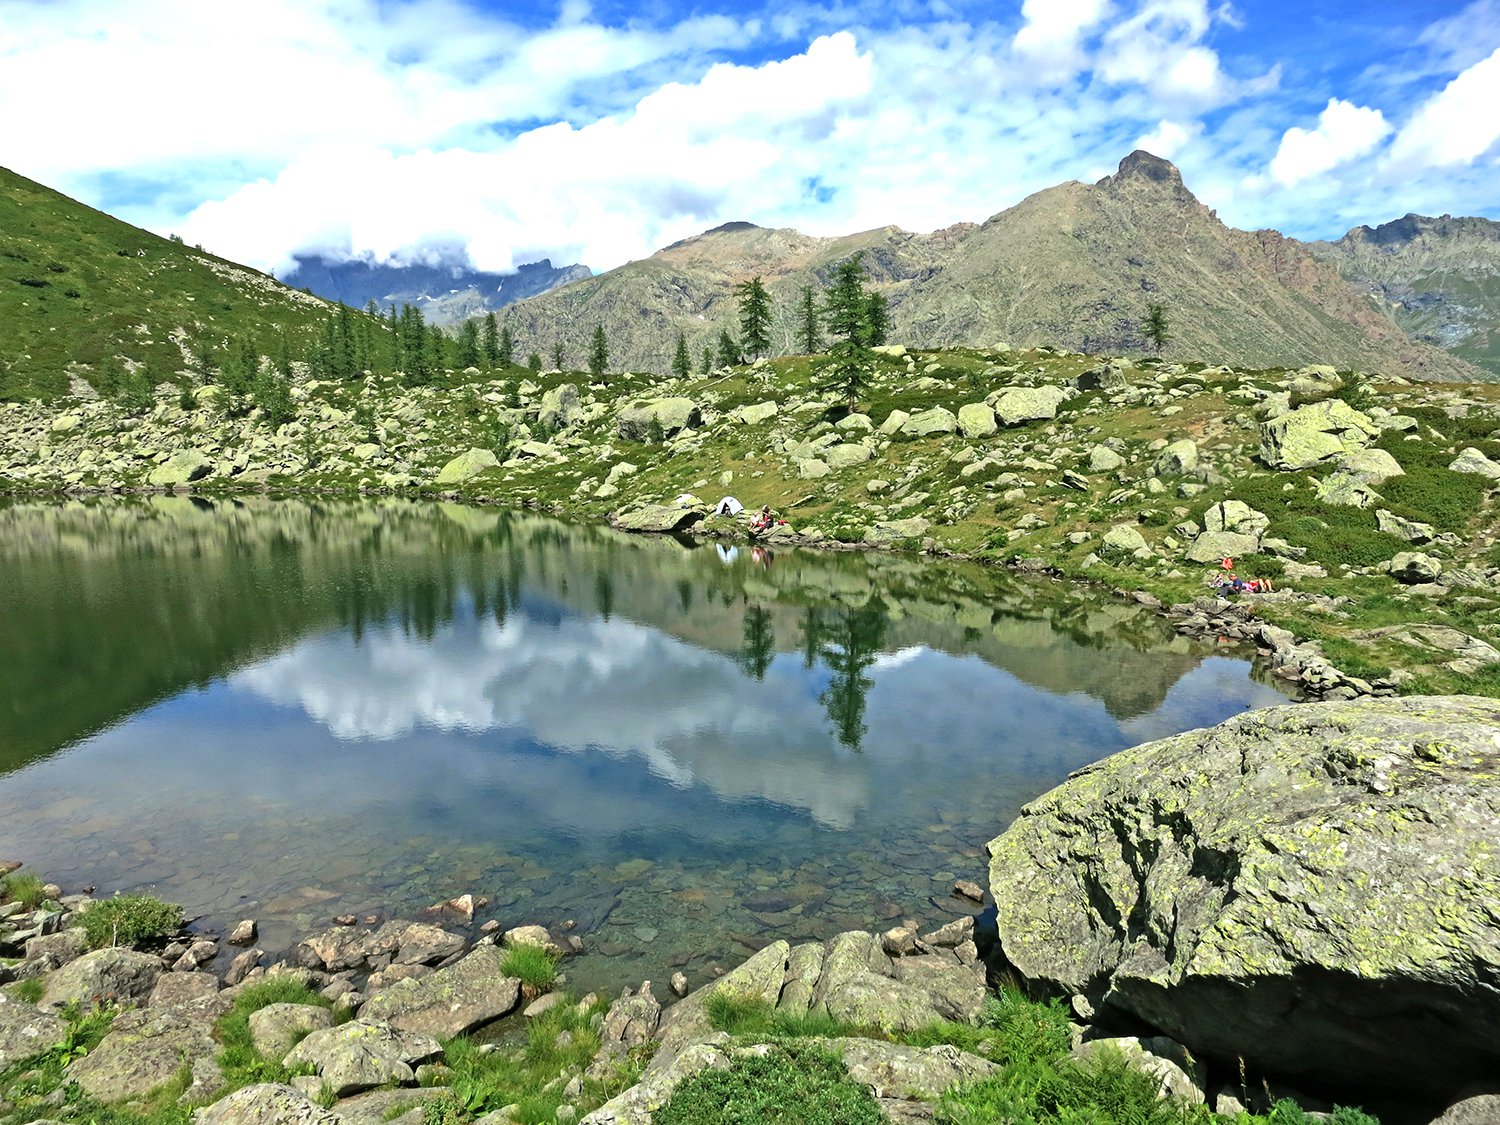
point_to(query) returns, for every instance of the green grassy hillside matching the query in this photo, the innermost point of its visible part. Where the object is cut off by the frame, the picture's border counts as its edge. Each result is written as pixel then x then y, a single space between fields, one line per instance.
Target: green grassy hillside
pixel 77 286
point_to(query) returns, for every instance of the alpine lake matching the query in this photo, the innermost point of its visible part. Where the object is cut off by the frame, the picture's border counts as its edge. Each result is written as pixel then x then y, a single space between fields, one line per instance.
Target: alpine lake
pixel 288 710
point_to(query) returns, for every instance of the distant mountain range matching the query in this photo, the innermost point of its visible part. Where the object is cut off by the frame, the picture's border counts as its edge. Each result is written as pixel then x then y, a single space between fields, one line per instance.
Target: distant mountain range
pixel 445 294
pixel 1075 266
pixel 1440 277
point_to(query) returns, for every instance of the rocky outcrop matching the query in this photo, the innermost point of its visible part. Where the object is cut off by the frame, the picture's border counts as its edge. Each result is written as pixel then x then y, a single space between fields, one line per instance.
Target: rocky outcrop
pixel 660 518
pixel 183 467
pixel 148 1048
pixel 671 414
pixel 1323 431
pixel 453 1001
pixel 901 982
pixel 466 466
pixel 1327 873
pixel 25 1030
pixel 1029 404
pixel 267 1104
pixel 362 1054
pixel 124 976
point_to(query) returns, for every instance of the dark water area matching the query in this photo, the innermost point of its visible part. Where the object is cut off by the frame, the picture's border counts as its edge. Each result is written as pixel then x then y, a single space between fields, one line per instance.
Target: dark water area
pixel 290 711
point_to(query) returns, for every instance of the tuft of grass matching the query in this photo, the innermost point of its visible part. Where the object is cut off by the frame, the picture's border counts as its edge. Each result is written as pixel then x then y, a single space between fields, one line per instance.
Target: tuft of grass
pixel 797 1084
pixel 128 919
pixel 241 1063
pixel 28 991
pixel 24 888
pixel 562 1040
pixel 532 965
pixel 755 1019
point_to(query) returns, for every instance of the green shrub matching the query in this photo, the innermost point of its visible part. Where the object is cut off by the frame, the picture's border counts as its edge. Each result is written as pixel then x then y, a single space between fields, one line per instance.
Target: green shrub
pixel 532 965
pixel 797 1084
pixel 23 888
pixel 127 919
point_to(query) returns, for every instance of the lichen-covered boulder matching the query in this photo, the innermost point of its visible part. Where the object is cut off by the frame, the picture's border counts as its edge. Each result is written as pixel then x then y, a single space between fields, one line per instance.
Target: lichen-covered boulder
pixel 1177 459
pixel 363 1054
pixel 1237 516
pixel 1310 888
pixel 183 467
pixel 1029 404
pixel 148 1048
pixel 672 414
pixel 976 420
pixel 1414 568
pixel 120 976
pixel 1344 490
pixel 937 420
pixel 267 1104
pixel 559 407
pixel 847 454
pixel 276 1028
pixel 753 414
pixel 1123 539
pixel 894 422
pixel 25 1030
pixel 466 995
pixel 659 518
pixel 1471 460
pixel 1323 431
pixel 467 465
pixel 1370 466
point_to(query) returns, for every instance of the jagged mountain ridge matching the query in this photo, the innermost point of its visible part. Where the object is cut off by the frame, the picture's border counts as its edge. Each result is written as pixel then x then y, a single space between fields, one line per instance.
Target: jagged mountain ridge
pixel 446 294
pixel 1440 277
pixel 1074 265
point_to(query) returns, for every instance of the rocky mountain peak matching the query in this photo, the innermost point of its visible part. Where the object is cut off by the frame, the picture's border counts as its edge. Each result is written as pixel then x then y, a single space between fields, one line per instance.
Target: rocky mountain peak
pixel 1142 169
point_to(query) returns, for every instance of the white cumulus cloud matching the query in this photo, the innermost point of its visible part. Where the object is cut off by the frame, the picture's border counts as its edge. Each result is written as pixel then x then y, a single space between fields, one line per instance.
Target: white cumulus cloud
pixel 1458 124
pixel 1344 131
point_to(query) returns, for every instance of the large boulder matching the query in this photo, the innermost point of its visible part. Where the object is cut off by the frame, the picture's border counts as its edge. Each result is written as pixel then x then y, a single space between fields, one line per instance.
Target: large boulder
pixel 1325 872
pixel 1324 431
pixel 1471 460
pixel 363 1054
pixel 659 518
pixel 559 407
pixel 276 1028
pixel 757 412
pixel 183 467
pixel 125 976
pixel 267 1104
pixel 672 414
pixel 976 420
pixel 467 465
pixel 937 420
pixel 847 454
pixel 1029 404
pixel 453 1001
pixel 148 1048
pixel 1123 539
pixel 1370 466
pixel 25 1030
pixel 1177 459
pixel 1415 568
pixel 1237 516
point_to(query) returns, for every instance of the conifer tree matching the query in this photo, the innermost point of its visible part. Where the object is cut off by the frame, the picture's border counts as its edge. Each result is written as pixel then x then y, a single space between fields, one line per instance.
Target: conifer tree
pixel 682 365
pixel 846 310
pixel 491 339
pixel 557 356
pixel 1156 327
pixel 729 352
pixel 534 362
pixel 415 354
pixel 707 363
pixel 468 345
pixel 598 353
pixel 755 318
pixel 877 319
pixel 812 338
pixel 507 353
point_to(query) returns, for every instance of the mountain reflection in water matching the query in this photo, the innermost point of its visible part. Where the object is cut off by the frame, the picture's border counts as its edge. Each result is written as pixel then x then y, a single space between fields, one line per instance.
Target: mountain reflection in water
pixel 294 710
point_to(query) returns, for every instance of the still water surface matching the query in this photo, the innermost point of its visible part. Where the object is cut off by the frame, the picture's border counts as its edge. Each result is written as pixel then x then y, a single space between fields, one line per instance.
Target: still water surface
pixel 291 711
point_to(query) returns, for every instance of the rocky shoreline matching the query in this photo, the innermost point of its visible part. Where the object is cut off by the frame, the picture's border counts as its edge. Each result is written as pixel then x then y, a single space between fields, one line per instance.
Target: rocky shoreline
pixel 1327 871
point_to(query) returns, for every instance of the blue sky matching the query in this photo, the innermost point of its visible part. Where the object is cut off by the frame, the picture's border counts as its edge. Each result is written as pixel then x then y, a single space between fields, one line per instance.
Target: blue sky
pixel 501 133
